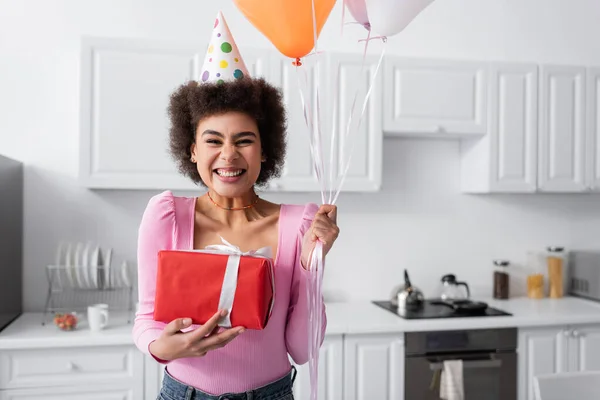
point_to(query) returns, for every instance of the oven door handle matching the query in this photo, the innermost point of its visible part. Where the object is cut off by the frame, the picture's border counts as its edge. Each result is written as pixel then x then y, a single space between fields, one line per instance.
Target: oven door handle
pixel 475 364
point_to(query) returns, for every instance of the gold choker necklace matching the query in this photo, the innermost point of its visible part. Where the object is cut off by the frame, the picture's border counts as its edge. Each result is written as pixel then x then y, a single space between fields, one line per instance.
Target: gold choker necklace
pixel 233 208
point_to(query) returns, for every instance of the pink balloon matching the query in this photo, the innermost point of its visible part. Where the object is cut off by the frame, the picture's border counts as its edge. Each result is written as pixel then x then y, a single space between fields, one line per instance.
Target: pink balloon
pixel 358 9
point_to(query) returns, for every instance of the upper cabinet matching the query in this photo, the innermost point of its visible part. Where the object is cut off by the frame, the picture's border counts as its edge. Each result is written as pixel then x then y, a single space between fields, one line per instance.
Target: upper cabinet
pixel 340 82
pixel 505 160
pixel 125 89
pixel 562 160
pixel 523 128
pixel 434 98
pixel 542 132
pixel 592 147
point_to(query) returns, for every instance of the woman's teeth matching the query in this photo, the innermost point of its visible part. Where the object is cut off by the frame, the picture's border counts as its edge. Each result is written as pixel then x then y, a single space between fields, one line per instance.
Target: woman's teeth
pixel 229 173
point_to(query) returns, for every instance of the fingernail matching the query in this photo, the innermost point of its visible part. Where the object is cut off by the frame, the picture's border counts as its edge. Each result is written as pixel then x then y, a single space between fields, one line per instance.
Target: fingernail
pixel 242 330
pixel 187 321
pixel 223 313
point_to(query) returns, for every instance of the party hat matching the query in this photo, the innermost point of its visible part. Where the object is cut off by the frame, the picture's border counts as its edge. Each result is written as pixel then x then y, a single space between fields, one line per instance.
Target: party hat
pixel 223 61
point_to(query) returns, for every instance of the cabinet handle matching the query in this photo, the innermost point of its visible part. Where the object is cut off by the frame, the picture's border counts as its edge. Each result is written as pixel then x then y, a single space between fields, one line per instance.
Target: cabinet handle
pixel 575 334
pixel 71 366
pixel 567 332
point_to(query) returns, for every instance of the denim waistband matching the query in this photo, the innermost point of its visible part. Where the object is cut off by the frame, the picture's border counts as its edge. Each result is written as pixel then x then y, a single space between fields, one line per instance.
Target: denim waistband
pixel 177 390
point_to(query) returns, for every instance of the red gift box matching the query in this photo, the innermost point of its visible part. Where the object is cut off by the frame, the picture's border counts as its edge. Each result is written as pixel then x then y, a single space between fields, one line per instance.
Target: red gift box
pixel 195 284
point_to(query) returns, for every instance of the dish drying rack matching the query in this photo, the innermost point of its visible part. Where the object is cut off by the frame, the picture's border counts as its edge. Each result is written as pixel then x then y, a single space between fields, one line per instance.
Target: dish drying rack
pixel 73 287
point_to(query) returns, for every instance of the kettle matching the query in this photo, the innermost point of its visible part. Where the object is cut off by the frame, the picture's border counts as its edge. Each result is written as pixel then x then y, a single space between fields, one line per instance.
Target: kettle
pixel 451 289
pixel 407 295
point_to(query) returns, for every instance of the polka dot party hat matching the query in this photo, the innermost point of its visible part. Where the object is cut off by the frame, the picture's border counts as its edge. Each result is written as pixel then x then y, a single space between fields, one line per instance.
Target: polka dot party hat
pixel 223 61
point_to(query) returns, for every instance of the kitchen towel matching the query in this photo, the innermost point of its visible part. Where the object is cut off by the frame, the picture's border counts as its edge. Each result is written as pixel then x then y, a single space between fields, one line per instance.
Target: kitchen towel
pixel 451 385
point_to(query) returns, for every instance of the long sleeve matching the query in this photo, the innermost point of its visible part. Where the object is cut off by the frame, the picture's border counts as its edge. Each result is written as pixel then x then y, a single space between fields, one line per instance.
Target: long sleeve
pixel 296 333
pixel 156 232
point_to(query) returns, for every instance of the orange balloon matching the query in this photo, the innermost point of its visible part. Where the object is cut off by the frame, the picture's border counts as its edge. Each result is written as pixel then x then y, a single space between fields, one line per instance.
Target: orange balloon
pixel 288 24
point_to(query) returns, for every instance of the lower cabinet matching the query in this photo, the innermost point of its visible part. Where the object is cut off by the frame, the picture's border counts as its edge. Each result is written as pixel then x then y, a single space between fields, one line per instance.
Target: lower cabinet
pixel 351 367
pixel 331 372
pixel 90 392
pixel 374 367
pixel 82 373
pixel 550 350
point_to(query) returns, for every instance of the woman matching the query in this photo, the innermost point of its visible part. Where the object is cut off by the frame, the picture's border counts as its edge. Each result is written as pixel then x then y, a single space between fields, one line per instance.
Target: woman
pixel 230 137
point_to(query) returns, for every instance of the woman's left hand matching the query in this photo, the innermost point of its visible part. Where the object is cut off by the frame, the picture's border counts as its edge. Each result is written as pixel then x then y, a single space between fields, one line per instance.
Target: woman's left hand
pixel 324 228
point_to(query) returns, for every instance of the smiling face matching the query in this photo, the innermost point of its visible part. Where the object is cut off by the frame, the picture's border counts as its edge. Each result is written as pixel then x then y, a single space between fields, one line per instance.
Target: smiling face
pixel 228 153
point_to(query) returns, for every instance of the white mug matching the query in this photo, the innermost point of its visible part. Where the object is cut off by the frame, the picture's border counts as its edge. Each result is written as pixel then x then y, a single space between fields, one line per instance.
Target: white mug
pixel 97 316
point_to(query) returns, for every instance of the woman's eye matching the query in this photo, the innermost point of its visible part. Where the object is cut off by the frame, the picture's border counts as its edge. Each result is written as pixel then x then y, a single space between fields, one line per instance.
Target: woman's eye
pixel 245 142
pixel 213 141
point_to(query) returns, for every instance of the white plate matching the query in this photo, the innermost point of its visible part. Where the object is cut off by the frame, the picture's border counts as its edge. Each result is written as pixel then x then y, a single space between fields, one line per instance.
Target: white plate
pixel 96 279
pixel 79 270
pixel 85 265
pixel 68 264
pixel 125 274
pixel 107 275
pixel 59 261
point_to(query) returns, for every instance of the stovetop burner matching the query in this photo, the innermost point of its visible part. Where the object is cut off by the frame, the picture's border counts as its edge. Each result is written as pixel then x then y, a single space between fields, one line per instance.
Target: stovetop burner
pixel 435 308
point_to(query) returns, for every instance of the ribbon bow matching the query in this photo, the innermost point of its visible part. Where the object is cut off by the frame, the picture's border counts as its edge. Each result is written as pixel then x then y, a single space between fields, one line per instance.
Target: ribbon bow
pixel 228 248
pixel 231 273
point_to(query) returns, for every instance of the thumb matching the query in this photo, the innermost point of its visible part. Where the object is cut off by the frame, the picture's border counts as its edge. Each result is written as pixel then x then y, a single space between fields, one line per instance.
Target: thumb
pixel 177 324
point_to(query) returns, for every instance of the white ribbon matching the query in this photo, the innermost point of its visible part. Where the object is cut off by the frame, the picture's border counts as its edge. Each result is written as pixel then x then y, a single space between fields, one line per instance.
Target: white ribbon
pixel 231 273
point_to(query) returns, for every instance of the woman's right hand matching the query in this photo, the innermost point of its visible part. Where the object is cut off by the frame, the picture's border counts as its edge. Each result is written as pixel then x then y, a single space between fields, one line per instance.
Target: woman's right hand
pixel 173 343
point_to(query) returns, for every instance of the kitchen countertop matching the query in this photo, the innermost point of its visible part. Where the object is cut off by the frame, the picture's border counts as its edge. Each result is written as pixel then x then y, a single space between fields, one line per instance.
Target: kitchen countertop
pixel 27 331
pixel 343 318
pixel 365 317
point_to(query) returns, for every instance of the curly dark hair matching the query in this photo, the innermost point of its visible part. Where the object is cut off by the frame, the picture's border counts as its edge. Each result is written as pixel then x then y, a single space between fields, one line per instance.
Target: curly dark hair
pixel 194 101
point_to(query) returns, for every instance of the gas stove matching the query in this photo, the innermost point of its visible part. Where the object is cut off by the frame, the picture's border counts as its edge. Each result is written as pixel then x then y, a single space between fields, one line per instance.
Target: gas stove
pixel 436 308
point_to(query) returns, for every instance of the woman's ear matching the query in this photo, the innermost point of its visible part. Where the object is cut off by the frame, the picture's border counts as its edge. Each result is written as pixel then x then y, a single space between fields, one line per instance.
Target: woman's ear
pixel 193 152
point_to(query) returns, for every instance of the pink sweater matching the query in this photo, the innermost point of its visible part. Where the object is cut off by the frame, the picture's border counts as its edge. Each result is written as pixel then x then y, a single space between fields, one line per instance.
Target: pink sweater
pixel 254 358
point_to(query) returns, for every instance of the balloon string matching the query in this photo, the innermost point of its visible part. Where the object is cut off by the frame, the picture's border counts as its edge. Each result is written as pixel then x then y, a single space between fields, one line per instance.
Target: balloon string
pixel 316 264
pixel 364 107
pixel 343 17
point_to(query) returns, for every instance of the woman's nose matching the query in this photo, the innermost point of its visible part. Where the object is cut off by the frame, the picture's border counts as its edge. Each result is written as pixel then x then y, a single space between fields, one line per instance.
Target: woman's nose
pixel 229 153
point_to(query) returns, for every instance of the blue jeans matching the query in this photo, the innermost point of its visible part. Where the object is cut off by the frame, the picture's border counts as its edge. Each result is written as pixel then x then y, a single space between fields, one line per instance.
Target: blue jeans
pixel 281 389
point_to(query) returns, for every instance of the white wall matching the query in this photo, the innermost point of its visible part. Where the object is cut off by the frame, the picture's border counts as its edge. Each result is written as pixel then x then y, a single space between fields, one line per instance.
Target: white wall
pixel 418 221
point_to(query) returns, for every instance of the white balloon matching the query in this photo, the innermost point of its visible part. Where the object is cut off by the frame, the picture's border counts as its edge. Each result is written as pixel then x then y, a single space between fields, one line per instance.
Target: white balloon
pixel 389 17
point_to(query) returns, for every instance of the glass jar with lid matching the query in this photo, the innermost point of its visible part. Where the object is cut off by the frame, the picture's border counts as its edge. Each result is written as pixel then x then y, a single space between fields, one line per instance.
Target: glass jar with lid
pixel 501 279
pixel 557 271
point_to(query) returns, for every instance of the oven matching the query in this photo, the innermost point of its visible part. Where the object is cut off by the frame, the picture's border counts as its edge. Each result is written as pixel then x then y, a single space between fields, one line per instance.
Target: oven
pixel 489 359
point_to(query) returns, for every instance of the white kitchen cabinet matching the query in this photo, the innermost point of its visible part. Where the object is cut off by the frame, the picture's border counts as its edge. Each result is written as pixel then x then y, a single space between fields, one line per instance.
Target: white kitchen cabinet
pixel 434 98
pixel 335 79
pixel 108 391
pixel 562 133
pixel 153 377
pixel 593 129
pixel 331 372
pixel 541 351
pixel 96 372
pixel 552 350
pixel 542 132
pixel 360 148
pixel 584 348
pixel 374 367
pixel 298 173
pixel 125 90
pixel 505 160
